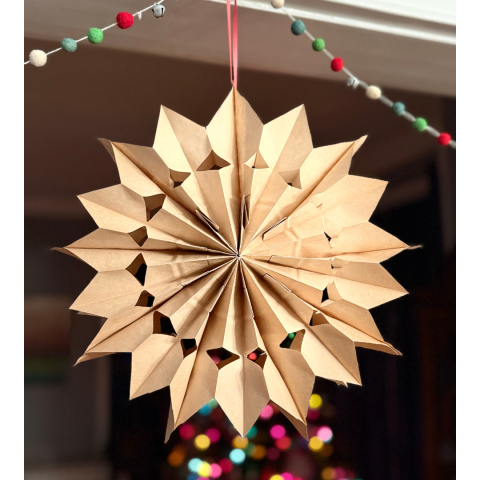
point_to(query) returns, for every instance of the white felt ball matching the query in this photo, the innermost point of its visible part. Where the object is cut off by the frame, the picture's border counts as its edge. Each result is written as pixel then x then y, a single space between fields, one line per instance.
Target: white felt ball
pixel 38 58
pixel 278 3
pixel 373 92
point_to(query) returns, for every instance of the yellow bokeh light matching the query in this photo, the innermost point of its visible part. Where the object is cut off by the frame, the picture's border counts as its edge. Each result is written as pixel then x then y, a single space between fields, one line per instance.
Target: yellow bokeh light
pixel 315 444
pixel 202 442
pixel 315 401
pixel 276 477
pixel 239 442
pixel 328 473
pixel 204 470
pixel 259 452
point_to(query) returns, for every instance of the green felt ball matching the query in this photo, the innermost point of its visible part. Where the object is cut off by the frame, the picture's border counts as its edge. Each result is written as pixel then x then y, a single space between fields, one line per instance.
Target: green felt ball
pixel 95 35
pixel 69 45
pixel 318 44
pixel 420 124
pixel 298 27
pixel 291 336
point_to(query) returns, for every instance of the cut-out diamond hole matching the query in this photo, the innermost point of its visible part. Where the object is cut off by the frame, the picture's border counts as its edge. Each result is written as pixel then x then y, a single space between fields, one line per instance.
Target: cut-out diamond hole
pixel 292 178
pixel 325 295
pixel 140 236
pixel 177 178
pixel 293 341
pixel 258 356
pixel 163 325
pixel 153 205
pixel 318 319
pixel 329 238
pixel 287 343
pixel 222 357
pixel 138 268
pixel 189 345
pixel 145 300
pixel 212 162
pixel 257 162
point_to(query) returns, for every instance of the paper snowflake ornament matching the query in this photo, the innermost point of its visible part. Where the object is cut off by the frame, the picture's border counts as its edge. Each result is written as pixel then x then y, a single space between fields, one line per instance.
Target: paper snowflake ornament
pixel 236 262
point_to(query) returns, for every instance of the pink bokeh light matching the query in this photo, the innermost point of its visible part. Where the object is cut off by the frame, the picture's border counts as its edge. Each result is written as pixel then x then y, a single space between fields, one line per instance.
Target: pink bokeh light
pixel 277 431
pixel 267 413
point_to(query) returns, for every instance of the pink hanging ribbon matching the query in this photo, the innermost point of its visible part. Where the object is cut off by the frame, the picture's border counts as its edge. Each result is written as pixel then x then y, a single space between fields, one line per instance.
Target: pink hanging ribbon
pixel 233 42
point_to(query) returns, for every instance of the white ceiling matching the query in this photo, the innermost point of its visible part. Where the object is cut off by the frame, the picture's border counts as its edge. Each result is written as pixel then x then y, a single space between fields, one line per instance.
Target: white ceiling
pixel 398 44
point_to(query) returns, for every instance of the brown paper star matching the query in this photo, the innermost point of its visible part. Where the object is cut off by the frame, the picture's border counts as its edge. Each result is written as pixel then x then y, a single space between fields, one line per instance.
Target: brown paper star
pixel 236 262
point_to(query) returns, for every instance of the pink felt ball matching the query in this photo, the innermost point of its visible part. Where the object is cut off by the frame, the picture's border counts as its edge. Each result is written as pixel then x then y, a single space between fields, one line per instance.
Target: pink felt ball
pixel 125 20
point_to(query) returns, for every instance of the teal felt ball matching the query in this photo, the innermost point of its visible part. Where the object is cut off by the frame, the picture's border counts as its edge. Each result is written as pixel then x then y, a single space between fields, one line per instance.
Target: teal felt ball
pixel 398 108
pixel 318 44
pixel 69 45
pixel 298 27
pixel 420 124
pixel 95 35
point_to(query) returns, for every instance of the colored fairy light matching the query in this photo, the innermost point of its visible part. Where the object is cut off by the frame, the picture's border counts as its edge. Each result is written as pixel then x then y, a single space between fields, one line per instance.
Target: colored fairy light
pixel 216 470
pixel 176 456
pixel 283 443
pixel 315 444
pixel 328 473
pixel 313 414
pixel 193 464
pixel 326 451
pixel 273 453
pixel 287 476
pixel 237 456
pixel 325 434
pixel 340 472
pixel 204 470
pixel 277 431
pixel 202 442
pixel 192 476
pixel 259 452
pixel 186 431
pixel 213 434
pixel 276 477
pixel 213 403
pixel 226 465
pixel 315 401
pixel 250 449
pixel 239 442
pixel 252 433
pixel 267 413
pixel 205 410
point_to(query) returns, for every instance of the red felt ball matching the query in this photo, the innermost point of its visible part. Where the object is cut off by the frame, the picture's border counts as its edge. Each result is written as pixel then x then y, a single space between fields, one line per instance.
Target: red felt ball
pixel 125 20
pixel 337 64
pixel 444 139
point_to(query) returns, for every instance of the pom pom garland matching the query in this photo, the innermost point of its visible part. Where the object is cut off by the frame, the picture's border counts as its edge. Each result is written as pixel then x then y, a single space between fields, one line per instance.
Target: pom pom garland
pixel 125 20
pixel 69 45
pixel 420 124
pixel 398 108
pixel 337 64
pixel 38 58
pixel 95 35
pixel 373 92
pixel 278 3
pixel 318 44
pixel 444 139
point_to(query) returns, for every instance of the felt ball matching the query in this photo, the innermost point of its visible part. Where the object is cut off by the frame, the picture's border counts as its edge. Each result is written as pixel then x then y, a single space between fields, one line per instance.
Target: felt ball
pixel 298 27
pixel 158 11
pixel 318 44
pixel 38 58
pixel 125 20
pixel 277 3
pixel 419 124
pixel 444 139
pixel 95 35
pixel 69 45
pixel 373 92
pixel 398 108
pixel 337 64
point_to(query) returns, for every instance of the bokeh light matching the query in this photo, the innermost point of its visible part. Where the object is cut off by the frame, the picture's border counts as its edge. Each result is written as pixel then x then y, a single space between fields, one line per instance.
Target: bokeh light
pixel 186 431
pixel 283 443
pixel 328 473
pixel 340 472
pixel 204 470
pixel 267 412
pixel 277 431
pixel 273 453
pixel 216 470
pixel 202 442
pixel 226 465
pixel 192 476
pixel 259 452
pixel 326 451
pixel 276 477
pixel 315 401
pixel 250 449
pixel 213 434
pixel 287 476
pixel 237 456
pixel 205 410
pixel 177 456
pixel 239 442
pixel 313 415
pixel 315 444
pixel 252 433
pixel 193 464
pixel 325 434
